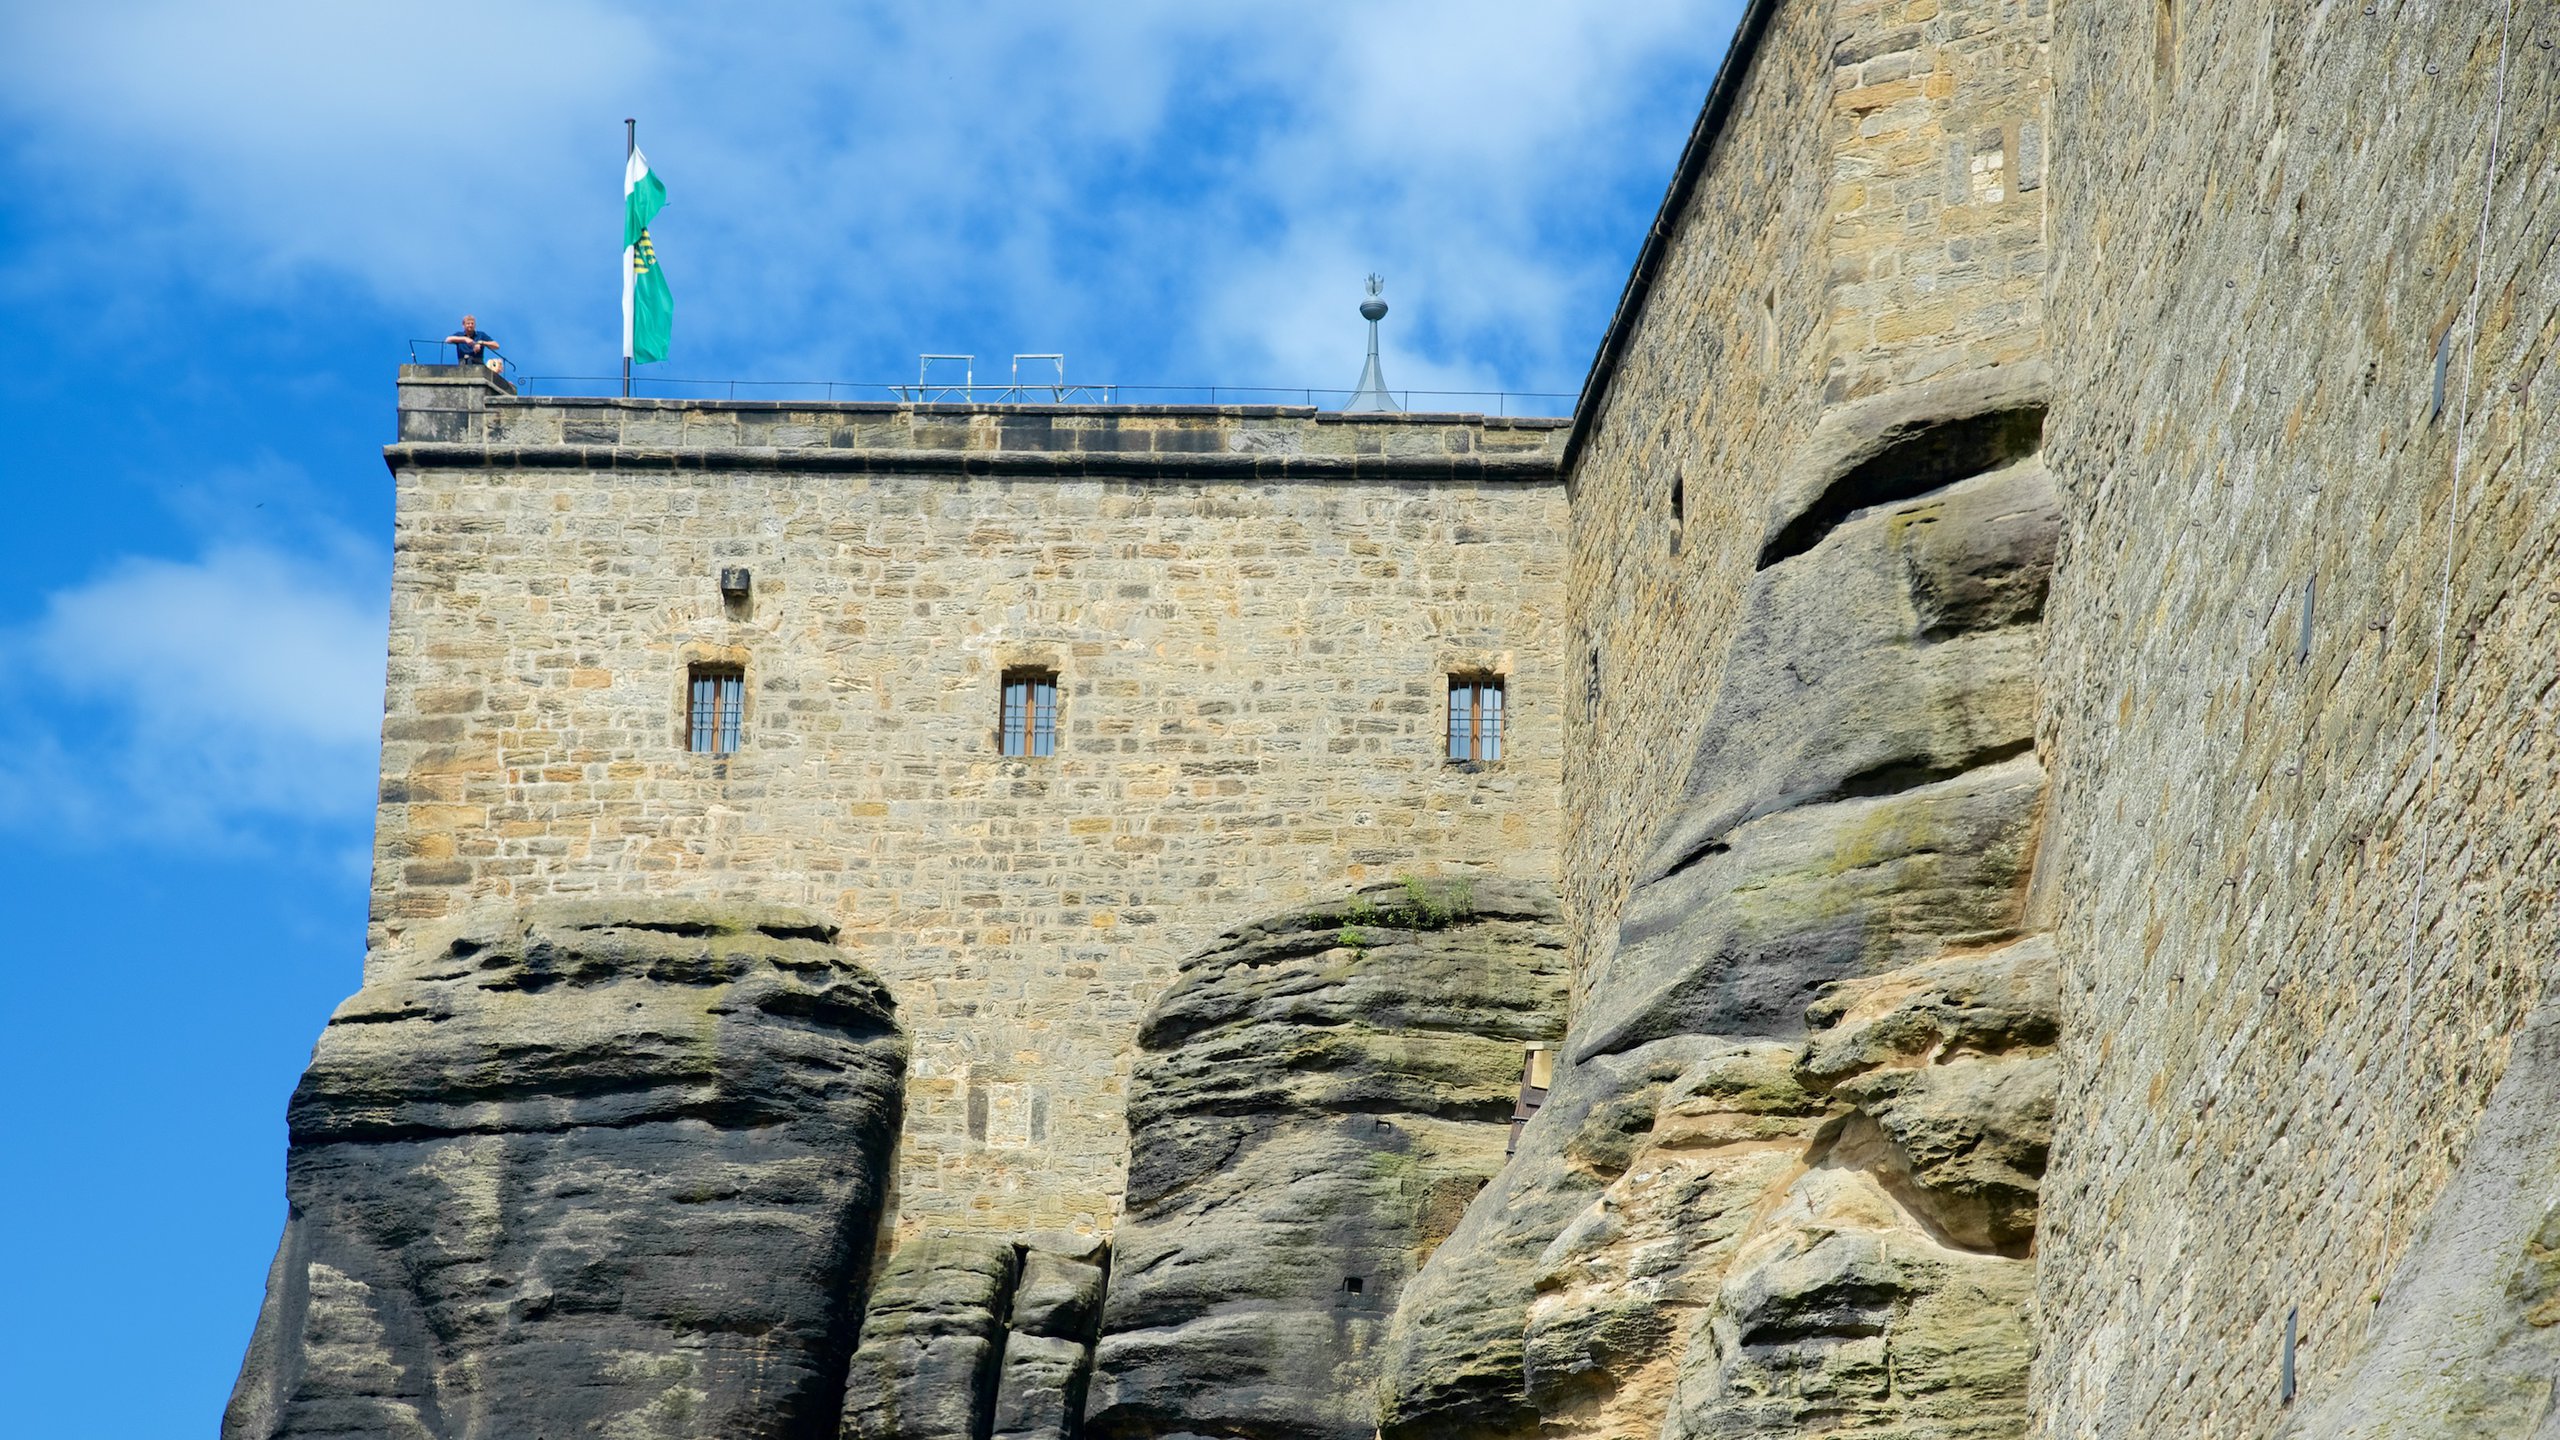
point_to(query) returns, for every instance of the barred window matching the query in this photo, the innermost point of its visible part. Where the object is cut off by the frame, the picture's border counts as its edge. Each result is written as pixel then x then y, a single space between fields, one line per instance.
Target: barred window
pixel 1030 712
pixel 1475 717
pixel 717 697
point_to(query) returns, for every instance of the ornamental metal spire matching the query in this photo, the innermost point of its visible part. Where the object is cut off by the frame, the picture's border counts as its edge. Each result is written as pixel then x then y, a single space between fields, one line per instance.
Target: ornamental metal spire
pixel 1372 396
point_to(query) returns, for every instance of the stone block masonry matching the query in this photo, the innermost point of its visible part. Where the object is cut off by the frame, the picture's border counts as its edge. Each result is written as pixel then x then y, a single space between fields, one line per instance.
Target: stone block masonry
pixel 1252 613
pixel 2300 690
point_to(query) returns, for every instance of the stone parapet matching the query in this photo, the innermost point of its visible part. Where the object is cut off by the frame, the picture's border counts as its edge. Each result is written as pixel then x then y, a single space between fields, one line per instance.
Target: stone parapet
pixel 446 421
pixel 447 402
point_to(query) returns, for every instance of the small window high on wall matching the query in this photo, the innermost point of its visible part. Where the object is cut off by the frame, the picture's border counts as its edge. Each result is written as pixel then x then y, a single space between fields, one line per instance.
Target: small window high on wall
pixel 1475 717
pixel 715 708
pixel 1030 726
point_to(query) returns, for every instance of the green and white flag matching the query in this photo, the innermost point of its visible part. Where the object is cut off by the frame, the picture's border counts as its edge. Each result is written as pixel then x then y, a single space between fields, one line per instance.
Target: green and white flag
pixel 648 311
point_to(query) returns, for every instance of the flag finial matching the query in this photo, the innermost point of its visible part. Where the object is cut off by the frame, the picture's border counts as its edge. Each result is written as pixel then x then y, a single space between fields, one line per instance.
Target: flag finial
pixel 1372 397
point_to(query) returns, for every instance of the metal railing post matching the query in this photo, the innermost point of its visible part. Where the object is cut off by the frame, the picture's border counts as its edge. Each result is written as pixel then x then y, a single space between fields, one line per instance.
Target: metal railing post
pixel 924 392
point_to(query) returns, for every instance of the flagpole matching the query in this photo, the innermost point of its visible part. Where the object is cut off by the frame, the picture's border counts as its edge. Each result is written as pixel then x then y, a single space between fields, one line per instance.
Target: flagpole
pixel 630 143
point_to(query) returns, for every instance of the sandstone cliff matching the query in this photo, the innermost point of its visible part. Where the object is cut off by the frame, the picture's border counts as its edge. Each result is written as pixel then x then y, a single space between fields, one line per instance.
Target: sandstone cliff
pixel 1316 1100
pixel 609 1169
pixel 1787 1178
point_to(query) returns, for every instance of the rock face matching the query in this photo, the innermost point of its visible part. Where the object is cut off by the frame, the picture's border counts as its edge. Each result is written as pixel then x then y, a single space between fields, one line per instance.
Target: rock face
pixel 931 1338
pixel 968 1336
pixel 1787 1179
pixel 1863 796
pixel 1317 1099
pixel 582 1170
pixel 1882 1285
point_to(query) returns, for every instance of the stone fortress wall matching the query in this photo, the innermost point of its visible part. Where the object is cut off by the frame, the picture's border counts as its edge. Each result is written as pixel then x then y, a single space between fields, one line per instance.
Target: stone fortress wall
pixel 2300 698
pixel 2298 668
pixel 1253 613
pixel 1861 211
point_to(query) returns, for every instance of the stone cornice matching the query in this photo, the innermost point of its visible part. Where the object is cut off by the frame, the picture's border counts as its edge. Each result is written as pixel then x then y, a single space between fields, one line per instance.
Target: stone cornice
pixel 1530 467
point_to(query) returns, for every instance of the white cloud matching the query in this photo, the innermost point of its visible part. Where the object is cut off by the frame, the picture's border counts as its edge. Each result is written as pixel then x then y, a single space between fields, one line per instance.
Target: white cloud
pixel 188 699
pixel 307 133
pixel 244 640
pixel 1169 190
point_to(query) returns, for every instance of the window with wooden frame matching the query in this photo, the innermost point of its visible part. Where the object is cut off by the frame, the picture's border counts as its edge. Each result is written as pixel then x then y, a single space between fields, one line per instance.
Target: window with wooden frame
pixel 1029 727
pixel 1475 718
pixel 715 708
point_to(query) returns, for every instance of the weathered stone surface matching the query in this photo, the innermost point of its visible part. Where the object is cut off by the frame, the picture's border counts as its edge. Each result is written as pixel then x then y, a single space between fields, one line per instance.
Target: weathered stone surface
pixel 931 1339
pixel 1900 442
pixel 1853 853
pixel 1040 1394
pixel 1840 1316
pixel 1952 1061
pixel 1901 648
pixel 1456 1356
pixel 2307 765
pixel 1878 1283
pixel 1860 798
pixel 604 1168
pixel 1739 943
pixel 1622 1287
pixel 1810 1228
pixel 1318 1097
pixel 1057 1296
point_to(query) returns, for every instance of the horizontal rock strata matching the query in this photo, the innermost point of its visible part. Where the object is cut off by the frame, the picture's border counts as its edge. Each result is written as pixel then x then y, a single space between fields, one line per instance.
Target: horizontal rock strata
pixel 1316 1100
pixel 577 1170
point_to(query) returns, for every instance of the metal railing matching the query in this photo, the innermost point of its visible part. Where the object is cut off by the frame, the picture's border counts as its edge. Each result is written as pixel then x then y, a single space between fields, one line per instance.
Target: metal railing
pixel 1014 391
pixel 1527 403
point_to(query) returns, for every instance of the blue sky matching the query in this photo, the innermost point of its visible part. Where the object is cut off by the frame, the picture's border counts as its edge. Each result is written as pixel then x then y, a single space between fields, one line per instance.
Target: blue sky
pixel 222 222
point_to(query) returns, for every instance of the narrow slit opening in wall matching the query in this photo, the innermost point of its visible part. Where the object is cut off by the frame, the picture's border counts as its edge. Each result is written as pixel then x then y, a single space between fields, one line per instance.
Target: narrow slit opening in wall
pixel 715 708
pixel 1679 509
pixel 2444 361
pixel 1028 725
pixel 2302 628
pixel 1475 718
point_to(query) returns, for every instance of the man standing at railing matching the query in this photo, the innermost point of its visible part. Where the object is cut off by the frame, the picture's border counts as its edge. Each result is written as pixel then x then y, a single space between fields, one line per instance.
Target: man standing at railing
pixel 471 346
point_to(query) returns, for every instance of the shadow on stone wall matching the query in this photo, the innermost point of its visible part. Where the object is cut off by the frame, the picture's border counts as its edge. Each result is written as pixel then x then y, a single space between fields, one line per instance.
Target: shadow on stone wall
pixel 2464 1340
